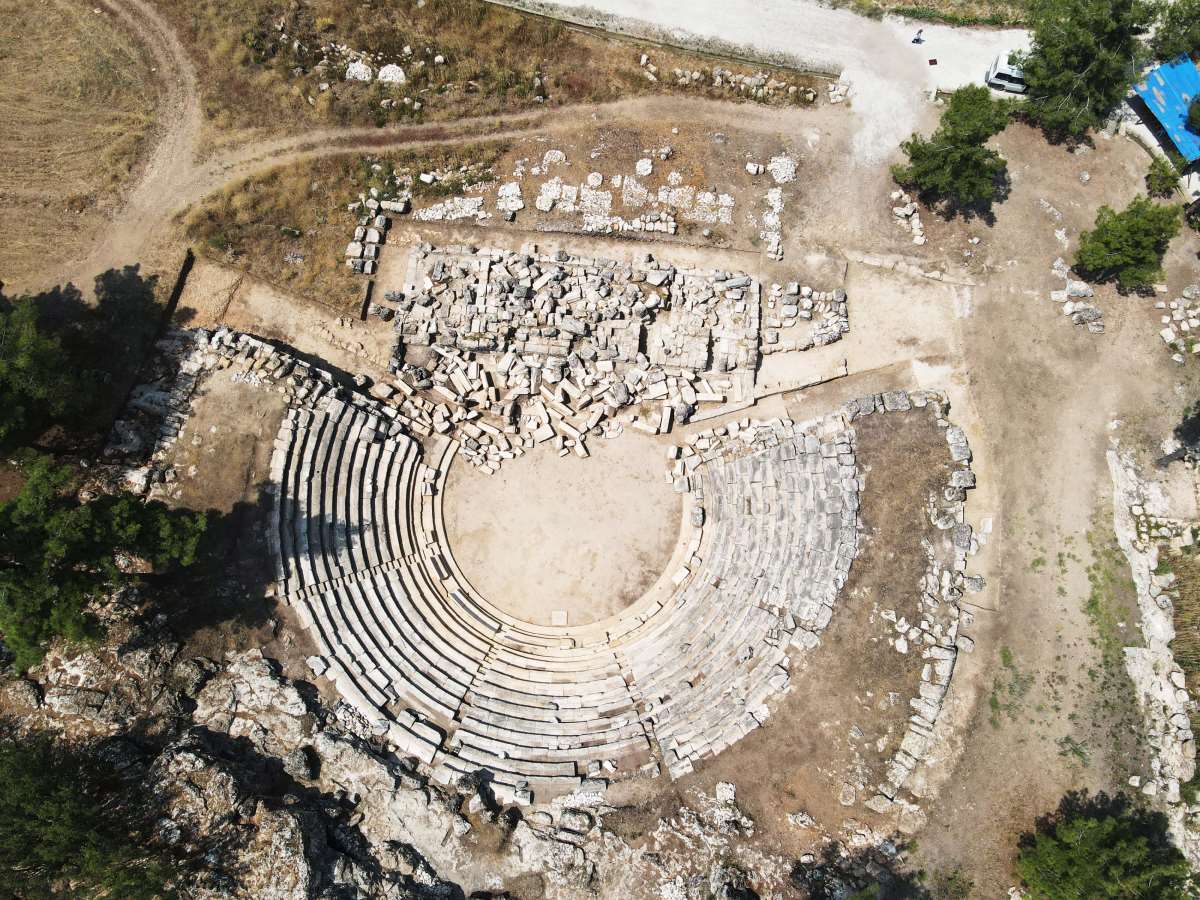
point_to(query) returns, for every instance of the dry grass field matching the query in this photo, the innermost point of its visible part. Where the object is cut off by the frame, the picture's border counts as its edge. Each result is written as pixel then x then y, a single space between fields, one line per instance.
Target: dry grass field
pixel 78 102
pixel 260 62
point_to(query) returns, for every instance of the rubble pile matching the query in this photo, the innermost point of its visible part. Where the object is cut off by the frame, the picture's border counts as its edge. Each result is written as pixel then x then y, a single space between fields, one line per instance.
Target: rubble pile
pixel 362 253
pixel 908 214
pixel 789 305
pixel 156 413
pixel 1075 299
pixel 453 210
pixel 395 198
pixel 936 635
pixel 594 203
pixel 1180 317
pixel 772 223
pixel 360 65
pixel 554 348
pixel 757 86
pixel 1148 535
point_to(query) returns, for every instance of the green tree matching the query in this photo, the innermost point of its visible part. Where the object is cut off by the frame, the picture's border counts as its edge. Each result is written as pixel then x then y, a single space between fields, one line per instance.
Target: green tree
pixel 953 167
pixel 1102 849
pixel 1082 61
pixel 63 821
pixel 1193 118
pixel 1162 178
pixel 58 553
pixel 67 363
pixel 1128 246
pixel 1178 29
pixel 37 385
pixel 972 115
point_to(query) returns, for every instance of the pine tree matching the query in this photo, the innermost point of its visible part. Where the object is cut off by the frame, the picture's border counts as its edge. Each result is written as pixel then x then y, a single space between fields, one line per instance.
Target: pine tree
pixel 1178 29
pixel 37 386
pixel 58 553
pixel 1083 59
pixel 1128 246
pixel 62 823
pixel 1101 854
pixel 953 167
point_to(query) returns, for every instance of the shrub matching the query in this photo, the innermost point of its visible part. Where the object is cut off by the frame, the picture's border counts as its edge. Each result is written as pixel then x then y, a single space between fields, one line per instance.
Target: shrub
pixel 1082 61
pixel 1128 246
pixel 1162 179
pixel 952 884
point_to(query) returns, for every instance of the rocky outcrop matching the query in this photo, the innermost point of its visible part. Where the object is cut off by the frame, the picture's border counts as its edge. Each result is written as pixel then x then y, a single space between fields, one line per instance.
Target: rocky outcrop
pixel 269 794
pixel 1142 521
pixel 292 802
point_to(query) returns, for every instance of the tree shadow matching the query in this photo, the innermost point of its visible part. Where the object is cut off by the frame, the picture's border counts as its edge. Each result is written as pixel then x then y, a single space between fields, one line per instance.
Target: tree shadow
pixel 983 210
pixel 226 587
pixel 871 873
pixel 106 344
pixel 1142 822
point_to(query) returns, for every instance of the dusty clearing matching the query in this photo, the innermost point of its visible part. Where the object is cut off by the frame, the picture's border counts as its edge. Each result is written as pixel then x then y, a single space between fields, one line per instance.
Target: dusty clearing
pixel 549 532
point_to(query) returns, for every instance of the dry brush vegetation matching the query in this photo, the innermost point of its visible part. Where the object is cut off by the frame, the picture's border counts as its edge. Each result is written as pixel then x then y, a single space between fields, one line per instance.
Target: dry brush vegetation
pixel 260 61
pixel 288 226
pixel 953 12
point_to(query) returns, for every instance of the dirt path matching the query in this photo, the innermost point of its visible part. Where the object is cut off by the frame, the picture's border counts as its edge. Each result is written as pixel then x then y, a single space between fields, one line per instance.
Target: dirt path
pixel 179 125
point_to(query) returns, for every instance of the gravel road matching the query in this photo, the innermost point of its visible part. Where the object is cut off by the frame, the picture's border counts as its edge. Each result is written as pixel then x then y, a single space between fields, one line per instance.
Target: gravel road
pixel 891 77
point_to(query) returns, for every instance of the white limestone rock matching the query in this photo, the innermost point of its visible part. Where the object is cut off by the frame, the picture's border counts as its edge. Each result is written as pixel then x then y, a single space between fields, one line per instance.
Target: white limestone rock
pixel 359 71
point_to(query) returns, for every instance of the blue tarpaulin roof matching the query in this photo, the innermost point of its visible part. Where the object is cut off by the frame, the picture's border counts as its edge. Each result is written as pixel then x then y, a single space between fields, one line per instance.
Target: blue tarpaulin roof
pixel 1168 91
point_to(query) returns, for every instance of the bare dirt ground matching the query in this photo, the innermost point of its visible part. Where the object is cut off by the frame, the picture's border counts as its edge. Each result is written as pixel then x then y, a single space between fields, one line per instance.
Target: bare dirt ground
pixel 545 533
pixel 221 460
pixel 215 295
pixel 1049 396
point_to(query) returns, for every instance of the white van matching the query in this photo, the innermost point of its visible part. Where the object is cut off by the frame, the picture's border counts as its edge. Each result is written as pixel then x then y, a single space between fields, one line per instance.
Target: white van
pixel 1003 76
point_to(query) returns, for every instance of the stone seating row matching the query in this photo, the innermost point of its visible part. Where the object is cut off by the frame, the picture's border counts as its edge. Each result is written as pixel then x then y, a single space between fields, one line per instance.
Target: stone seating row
pixel 709 670
pixel 363 560
pixel 399 646
pixel 339 472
